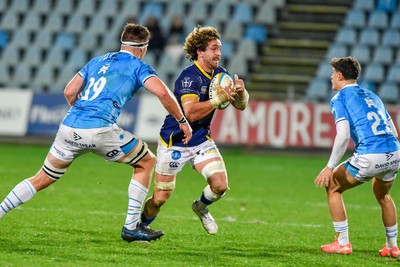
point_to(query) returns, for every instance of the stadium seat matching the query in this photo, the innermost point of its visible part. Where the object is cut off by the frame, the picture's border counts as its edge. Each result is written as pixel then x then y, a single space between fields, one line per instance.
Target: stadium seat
pixel 355 18
pixel 277 3
pixel 317 90
pixel 44 77
pixel 54 23
pixel 256 33
pixel 391 37
pixel 386 5
pixel 33 57
pixel 227 49
pixel 394 73
pixel 41 6
pixel 98 25
pixel 378 19
pixel 383 54
pixel 63 7
pixel 233 31
pixel 19 6
pixel 389 93
pixel 111 42
pixel 397 58
pixel 346 35
pixel 129 9
pixel 151 9
pixel 108 8
pixel 55 56
pixel 374 72
pixel 4 75
pixel 21 38
pixel 75 24
pixel 221 12
pixel 362 53
pixel 43 39
pixel 336 50
pixel 324 69
pixel 243 13
pixel 31 22
pixel 9 21
pixel 4 38
pixel 247 49
pixel 3 5
pixel 395 21
pixel 266 14
pixel 238 65
pixel 66 41
pixel 86 8
pixel 87 41
pixel 365 5
pixel 197 12
pixel 369 36
pixel 10 56
pixel 22 76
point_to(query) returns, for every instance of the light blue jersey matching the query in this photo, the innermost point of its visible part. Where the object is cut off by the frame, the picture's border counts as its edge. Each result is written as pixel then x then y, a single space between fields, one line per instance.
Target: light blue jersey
pixel 111 80
pixel 368 120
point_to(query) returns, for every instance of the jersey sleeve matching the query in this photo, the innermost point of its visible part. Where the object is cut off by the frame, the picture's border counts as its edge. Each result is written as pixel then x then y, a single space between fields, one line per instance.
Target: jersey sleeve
pixel 338 109
pixel 145 72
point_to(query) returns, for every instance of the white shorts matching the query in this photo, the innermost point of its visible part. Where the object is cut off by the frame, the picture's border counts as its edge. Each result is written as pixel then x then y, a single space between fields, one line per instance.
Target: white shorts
pixel 111 143
pixel 382 166
pixel 170 160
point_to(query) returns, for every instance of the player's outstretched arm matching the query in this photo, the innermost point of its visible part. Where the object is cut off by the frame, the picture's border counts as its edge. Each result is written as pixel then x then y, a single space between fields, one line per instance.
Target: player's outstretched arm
pixel 168 100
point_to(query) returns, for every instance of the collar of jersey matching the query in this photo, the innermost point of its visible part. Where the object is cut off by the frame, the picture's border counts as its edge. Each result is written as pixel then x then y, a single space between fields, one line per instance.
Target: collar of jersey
pixel 203 71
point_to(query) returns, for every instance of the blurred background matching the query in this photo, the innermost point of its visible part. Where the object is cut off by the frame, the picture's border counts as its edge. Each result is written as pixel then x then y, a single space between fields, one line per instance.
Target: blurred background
pixel 281 48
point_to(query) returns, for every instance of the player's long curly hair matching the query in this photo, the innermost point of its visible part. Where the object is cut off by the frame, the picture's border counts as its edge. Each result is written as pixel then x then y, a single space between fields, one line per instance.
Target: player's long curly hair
pixel 348 66
pixel 198 39
pixel 135 33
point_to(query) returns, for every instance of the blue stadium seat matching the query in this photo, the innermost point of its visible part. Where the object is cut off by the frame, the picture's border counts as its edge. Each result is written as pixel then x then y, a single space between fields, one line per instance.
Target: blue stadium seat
pixel 3 39
pixel 378 19
pixel 43 39
pixel 256 32
pixel 233 31
pixel 391 37
pixel 247 49
pixel 389 92
pixel 356 18
pixel 63 7
pixel 374 72
pixel 197 12
pixel 66 41
pixel 383 54
pixel 31 22
pixel 22 76
pixel 369 36
pixel 151 9
pixel 33 57
pixel 86 8
pixel 41 6
pixel 366 5
pixel 336 50
pixel 108 8
pixel 237 65
pixel 266 14
pixel 221 12
pixel 10 56
pixel 9 21
pixel 395 21
pixel 227 49
pixel 98 25
pixel 87 41
pixel 362 53
pixel 317 90
pixel 4 75
pixel 54 23
pixel 20 38
pixel 386 5
pixel 324 70
pixel 20 6
pixel 346 35
pixel 243 13
pixel 75 24
pixel 394 73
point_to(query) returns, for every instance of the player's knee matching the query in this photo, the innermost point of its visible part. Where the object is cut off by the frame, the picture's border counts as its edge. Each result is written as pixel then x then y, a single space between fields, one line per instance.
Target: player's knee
pixel 51 171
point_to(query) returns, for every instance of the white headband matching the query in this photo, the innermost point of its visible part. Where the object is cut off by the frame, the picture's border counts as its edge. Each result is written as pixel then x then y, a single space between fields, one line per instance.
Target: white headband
pixel 134 44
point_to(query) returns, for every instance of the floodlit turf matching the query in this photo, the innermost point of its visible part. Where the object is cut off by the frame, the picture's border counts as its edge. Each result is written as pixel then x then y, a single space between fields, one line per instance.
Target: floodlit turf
pixel 272 216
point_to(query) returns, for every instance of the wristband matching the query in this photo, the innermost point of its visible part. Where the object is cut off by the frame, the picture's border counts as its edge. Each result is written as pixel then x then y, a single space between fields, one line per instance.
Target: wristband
pixel 182 121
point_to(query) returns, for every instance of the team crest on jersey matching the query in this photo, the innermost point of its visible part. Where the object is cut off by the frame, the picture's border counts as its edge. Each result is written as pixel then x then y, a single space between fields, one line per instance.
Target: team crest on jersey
pixel 176 155
pixel 104 69
pixel 186 82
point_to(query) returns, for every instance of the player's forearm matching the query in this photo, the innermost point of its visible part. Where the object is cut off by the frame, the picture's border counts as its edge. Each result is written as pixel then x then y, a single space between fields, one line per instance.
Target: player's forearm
pixel 198 111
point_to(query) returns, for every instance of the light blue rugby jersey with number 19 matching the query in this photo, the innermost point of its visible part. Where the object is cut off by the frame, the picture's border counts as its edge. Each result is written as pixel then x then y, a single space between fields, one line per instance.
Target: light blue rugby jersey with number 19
pixel 111 80
pixel 368 119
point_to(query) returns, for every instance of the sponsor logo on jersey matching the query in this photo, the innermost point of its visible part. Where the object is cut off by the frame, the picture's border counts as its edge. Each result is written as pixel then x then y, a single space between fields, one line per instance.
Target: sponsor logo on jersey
pixel 176 155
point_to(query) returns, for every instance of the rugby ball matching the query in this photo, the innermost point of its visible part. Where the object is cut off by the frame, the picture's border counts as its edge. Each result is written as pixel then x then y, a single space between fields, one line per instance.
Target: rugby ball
pixel 223 79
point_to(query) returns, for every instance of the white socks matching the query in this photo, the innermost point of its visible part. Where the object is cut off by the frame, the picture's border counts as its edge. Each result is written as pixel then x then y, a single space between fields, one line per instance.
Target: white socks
pixel 391 236
pixel 342 229
pixel 21 193
pixel 137 194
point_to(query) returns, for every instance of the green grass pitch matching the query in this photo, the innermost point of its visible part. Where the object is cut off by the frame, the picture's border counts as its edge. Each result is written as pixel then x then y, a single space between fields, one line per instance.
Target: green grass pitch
pixel 273 215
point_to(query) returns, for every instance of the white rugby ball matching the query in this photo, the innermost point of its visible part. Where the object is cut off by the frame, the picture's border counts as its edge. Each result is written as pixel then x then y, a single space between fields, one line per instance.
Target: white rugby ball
pixel 223 79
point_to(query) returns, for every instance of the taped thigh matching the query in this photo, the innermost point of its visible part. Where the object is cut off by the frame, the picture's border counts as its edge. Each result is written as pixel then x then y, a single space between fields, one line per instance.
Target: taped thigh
pixel 213 167
pixel 53 172
pixel 138 152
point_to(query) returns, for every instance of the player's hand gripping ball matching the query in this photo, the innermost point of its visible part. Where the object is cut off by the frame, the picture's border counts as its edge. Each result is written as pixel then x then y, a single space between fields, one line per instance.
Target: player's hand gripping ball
pixel 217 93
